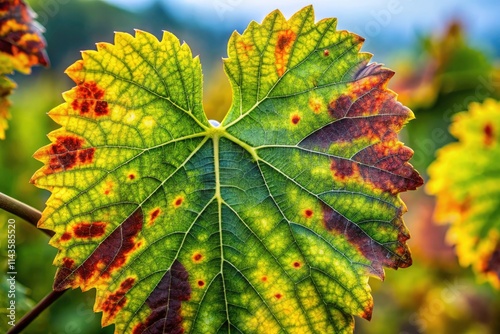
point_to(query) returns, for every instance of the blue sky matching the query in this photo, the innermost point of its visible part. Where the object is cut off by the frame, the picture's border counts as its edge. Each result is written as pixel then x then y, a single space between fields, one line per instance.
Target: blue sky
pixel 373 19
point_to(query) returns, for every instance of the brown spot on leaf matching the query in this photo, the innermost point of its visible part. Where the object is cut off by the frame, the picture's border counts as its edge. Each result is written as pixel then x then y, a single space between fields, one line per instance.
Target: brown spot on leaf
pixel 67 152
pixel 295 119
pixel 131 176
pixel 326 53
pixel 101 108
pixel 110 255
pixel 381 166
pixel 201 283
pixel 178 201
pixel 308 213
pixel 165 303
pixel 339 107
pixel 297 264
pixel 89 230
pixel 366 110
pixel 386 167
pixel 153 215
pixel 348 129
pixel 489 135
pixel 282 50
pixel 68 263
pixel 66 236
pixel 263 278
pixel 344 169
pixel 376 252
pixel 278 296
pixel 88 100
pixel 86 156
pixel 115 301
pixel 197 257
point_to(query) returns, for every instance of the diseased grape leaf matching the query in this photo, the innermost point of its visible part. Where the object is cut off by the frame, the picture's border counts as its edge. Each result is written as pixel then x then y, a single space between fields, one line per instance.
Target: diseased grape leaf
pixel 271 222
pixel 21 47
pixel 465 178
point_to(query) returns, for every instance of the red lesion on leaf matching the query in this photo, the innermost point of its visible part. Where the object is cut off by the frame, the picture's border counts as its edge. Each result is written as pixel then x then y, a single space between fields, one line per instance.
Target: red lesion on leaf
pixel 197 257
pixel 131 176
pixel 339 107
pixel 308 213
pixel 366 110
pixel 344 169
pixel 68 263
pixel 165 303
pixel 263 278
pixel 88 99
pixel 385 166
pixel 278 296
pixel 282 50
pixel 297 264
pixel 376 252
pixel 153 215
pixel 89 230
pixel 201 283
pixel 489 134
pixel 115 301
pixel 67 152
pixel 109 256
pixel 178 201
pixel 66 236
pixel 295 119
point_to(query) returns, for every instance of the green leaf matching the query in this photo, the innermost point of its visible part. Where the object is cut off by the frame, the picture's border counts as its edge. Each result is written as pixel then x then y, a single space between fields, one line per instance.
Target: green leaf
pixel 468 196
pixel 270 222
pixel 21 47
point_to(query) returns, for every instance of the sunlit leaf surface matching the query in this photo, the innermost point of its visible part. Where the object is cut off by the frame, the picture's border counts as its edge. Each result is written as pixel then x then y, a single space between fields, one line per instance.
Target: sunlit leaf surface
pixel 270 222
pixel 466 180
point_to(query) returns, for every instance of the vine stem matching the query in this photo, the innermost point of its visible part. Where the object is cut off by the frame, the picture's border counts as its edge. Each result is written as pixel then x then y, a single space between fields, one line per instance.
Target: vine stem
pixel 32 216
pixel 35 312
pixel 22 210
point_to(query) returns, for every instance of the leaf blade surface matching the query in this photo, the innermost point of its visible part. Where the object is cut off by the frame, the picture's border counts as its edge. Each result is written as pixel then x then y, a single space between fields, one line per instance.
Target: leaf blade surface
pixel 273 221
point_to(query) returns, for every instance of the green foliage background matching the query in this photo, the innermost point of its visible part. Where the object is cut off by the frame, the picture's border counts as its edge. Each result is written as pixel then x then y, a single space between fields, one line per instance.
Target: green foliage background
pixel 435 295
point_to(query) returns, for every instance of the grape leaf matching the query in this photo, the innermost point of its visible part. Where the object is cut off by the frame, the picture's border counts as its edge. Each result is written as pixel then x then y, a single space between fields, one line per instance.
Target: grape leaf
pixel 469 196
pixel 270 222
pixel 21 47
